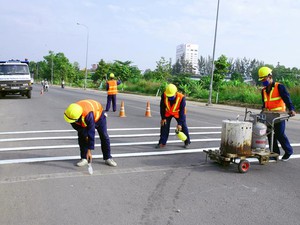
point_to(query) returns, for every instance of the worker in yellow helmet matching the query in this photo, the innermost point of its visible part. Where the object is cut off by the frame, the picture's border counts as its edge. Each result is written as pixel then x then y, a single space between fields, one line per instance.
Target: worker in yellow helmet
pixel 112 90
pixel 172 104
pixel 85 116
pixel 276 98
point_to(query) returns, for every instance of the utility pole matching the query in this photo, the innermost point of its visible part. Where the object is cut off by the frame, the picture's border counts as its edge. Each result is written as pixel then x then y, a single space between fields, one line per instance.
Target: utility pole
pixel 86 55
pixel 213 58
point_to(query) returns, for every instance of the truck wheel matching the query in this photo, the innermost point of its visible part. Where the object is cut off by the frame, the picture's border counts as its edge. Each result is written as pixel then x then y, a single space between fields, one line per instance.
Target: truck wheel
pixel 29 94
pixel 244 166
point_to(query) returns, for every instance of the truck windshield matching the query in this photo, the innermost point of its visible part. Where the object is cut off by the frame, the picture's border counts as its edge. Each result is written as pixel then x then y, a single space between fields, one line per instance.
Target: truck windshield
pixel 14 69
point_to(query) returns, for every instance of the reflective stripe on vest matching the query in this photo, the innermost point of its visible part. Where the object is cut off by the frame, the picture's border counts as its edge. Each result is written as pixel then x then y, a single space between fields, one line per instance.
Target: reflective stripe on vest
pixel 112 88
pixel 273 101
pixel 174 110
pixel 88 106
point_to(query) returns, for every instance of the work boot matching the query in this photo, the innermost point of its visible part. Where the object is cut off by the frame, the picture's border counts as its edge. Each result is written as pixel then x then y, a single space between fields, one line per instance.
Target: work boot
pixel 285 157
pixel 82 162
pixel 186 146
pixel 160 146
pixel 111 162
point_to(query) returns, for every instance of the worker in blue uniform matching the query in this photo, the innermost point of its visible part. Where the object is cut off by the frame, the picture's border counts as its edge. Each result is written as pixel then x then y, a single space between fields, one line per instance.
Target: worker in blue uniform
pixel 275 98
pixel 85 116
pixel 172 104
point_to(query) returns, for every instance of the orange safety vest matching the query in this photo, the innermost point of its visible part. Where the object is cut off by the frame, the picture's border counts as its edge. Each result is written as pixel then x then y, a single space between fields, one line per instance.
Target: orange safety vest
pixel 112 89
pixel 174 110
pixel 273 100
pixel 88 106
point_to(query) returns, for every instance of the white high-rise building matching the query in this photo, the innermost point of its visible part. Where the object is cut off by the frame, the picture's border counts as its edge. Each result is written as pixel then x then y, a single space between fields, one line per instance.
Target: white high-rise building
pixel 189 53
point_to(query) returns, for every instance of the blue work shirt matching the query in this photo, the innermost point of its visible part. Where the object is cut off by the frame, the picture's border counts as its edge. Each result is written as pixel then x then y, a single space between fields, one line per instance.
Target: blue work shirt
pixel 88 131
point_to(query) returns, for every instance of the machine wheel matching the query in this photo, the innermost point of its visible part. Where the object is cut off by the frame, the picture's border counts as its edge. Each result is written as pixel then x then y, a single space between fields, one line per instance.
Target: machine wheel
pixel 244 166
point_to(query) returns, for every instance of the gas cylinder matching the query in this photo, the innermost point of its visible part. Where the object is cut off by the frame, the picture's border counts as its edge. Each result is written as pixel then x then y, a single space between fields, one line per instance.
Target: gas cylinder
pixel 259 136
pixel 180 135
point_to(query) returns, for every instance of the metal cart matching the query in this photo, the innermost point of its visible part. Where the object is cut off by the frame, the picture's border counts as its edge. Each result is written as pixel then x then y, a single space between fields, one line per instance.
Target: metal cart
pixel 238 151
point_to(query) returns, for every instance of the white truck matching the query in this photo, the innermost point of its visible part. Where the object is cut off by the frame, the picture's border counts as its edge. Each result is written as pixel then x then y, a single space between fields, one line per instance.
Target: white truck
pixel 15 78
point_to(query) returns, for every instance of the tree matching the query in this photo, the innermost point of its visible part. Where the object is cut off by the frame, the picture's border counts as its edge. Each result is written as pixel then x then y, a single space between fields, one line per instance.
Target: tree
pixel 149 75
pixel 59 66
pixel 202 66
pixel 182 66
pixel 237 76
pixel 101 72
pixel 286 75
pixel 125 71
pixel 162 70
pixel 220 71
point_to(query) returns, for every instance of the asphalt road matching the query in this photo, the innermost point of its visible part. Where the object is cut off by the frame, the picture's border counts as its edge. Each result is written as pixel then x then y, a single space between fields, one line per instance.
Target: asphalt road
pixel 40 184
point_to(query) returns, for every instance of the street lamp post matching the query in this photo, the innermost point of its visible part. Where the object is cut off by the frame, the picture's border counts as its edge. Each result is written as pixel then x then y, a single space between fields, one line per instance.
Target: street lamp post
pixel 52 70
pixel 87 50
pixel 213 58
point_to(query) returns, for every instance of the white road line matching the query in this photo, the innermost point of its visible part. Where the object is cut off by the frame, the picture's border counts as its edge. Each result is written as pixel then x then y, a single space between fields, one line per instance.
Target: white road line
pixel 112 145
pixel 112 129
pixel 98 145
pixel 122 155
pixel 97 136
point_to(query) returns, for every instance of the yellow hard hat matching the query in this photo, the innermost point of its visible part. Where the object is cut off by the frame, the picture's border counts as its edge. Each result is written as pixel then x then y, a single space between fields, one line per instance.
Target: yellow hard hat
pixel 171 90
pixel 263 72
pixel 111 75
pixel 72 113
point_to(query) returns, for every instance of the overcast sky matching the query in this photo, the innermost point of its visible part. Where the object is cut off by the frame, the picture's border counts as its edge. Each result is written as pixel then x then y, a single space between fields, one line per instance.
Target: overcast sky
pixel 143 31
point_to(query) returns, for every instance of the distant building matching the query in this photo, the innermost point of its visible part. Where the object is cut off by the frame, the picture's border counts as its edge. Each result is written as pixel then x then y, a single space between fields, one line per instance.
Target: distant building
pixel 189 53
pixel 94 67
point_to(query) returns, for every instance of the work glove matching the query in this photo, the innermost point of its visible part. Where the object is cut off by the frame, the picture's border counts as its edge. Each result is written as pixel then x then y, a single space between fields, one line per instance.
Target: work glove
pixel 292 113
pixel 179 128
pixel 163 122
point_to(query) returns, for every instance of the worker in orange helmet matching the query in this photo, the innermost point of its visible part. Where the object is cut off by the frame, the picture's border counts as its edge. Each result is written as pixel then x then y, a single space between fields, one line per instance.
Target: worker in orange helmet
pixel 112 90
pixel 276 98
pixel 85 116
pixel 172 104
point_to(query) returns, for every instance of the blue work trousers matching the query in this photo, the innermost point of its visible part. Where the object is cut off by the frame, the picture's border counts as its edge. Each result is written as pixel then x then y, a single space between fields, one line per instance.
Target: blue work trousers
pixel 279 136
pixel 113 99
pixel 165 129
pixel 101 128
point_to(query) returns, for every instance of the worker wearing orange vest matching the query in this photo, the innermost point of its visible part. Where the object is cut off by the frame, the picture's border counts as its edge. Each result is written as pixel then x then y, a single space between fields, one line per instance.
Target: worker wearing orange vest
pixel 85 116
pixel 112 90
pixel 276 98
pixel 172 104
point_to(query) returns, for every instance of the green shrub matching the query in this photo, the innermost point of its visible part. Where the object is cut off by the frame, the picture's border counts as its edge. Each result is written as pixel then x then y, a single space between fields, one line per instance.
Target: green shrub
pixel 142 86
pixel 232 92
pixel 295 96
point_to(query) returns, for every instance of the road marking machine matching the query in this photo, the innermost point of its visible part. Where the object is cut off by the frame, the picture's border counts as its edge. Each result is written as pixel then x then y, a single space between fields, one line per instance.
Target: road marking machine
pixel 241 140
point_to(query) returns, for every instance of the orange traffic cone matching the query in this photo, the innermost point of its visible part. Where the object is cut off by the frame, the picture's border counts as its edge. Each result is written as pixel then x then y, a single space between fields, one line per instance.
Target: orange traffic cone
pixel 148 112
pixel 122 110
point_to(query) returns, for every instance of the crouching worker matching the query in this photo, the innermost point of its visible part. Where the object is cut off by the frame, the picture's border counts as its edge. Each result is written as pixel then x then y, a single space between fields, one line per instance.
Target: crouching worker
pixel 85 116
pixel 172 104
